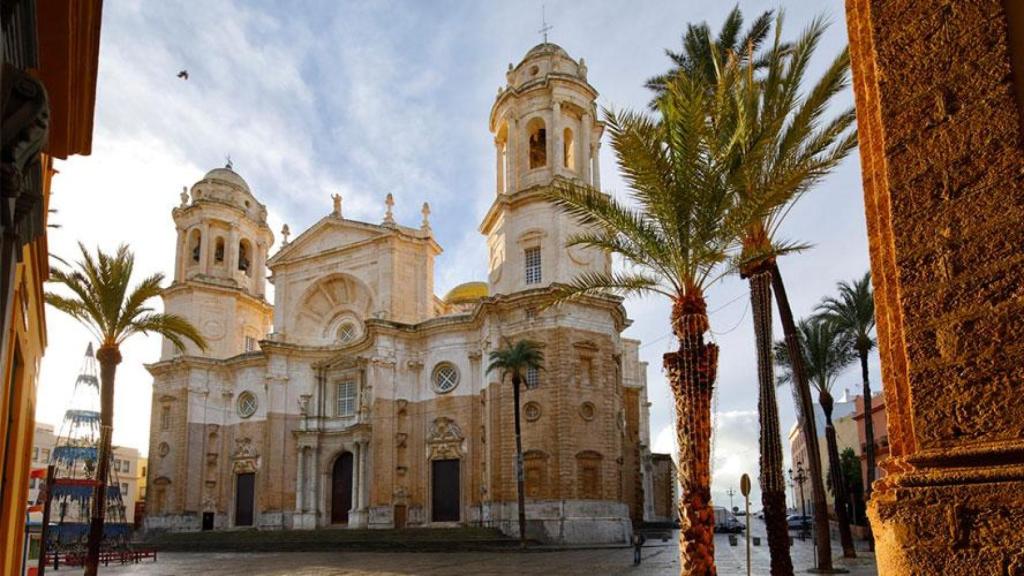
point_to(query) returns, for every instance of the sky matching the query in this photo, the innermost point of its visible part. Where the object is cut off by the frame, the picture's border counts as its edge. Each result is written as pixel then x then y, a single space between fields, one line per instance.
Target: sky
pixel 363 99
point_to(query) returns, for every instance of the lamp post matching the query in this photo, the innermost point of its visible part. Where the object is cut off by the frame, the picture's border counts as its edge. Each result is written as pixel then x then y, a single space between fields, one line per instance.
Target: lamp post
pixel 800 477
pixel 731 493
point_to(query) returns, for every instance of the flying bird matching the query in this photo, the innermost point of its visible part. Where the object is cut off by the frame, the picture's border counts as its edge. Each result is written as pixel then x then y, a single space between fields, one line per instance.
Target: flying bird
pixel 183 74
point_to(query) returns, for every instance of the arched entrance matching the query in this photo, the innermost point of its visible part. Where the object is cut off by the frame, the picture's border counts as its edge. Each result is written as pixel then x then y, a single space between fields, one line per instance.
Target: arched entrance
pixel 341 488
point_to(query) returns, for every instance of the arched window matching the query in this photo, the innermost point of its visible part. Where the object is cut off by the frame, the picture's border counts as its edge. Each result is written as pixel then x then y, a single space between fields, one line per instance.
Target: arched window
pixel 218 252
pixel 538 143
pixel 195 245
pixel 244 256
pixel 568 150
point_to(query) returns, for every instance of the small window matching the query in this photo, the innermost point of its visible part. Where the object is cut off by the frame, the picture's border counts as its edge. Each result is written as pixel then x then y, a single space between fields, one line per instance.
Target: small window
pixel 532 377
pixel 446 378
pixel 531 313
pixel 196 245
pixel 243 256
pixel 124 488
pixel 127 466
pixel 247 404
pixel 165 418
pixel 568 150
pixel 346 405
pixel 250 344
pixel 347 332
pixel 532 256
pixel 35 454
pixel 46 455
pixel 538 143
pixel 218 253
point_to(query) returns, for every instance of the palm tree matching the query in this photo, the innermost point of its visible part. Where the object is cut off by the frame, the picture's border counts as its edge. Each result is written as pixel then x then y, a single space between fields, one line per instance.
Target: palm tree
pixel 102 302
pixel 516 360
pixel 790 146
pixel 677 237
pixel 853 312
pixel 826 352
pixel 696 55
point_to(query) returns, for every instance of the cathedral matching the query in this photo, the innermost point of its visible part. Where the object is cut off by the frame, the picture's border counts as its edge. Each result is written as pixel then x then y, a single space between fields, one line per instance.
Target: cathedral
pixel 362 399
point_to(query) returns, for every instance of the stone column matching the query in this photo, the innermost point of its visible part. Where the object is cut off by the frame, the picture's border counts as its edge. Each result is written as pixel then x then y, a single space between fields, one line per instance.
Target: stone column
pixel 356 481
pixel 597 165
pixel 941 129
pixel 584 160
pixel 180 255
pixel 300 482
pixel 363 475
pixel 231 251
pixel 558 158
pixel 259 268
pixel 206 246
pixel 499 165
pixel 511 155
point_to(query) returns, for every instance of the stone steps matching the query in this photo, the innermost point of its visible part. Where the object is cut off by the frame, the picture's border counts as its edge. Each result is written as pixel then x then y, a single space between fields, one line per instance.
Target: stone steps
pixel 413 540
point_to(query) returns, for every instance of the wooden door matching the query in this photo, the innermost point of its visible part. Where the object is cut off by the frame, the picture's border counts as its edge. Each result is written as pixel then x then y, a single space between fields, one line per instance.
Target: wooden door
pixel 445 491
pixel 245 490
pixel 341 489
pixel 400 515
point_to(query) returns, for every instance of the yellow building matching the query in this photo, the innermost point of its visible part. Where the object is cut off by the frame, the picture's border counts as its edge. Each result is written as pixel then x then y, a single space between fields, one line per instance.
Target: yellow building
pixel 50 57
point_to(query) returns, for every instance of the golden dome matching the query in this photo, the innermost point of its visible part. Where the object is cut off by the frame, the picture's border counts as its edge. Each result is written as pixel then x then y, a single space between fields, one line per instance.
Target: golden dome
pixel 467 292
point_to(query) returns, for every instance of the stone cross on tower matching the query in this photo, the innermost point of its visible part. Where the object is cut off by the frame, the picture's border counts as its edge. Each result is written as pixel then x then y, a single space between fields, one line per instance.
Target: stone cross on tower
pixel 389 216
pixel 426 217
pixel 285 232
pixel 337 205
pixel 544 26
pixel 228 163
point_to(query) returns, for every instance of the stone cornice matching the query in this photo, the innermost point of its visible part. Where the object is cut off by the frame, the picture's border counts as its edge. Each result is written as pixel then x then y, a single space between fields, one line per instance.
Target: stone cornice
pixel 381 232
pixel 196 284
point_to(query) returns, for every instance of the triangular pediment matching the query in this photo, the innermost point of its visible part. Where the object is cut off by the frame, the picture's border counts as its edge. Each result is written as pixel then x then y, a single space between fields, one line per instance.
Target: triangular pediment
pixel 327 235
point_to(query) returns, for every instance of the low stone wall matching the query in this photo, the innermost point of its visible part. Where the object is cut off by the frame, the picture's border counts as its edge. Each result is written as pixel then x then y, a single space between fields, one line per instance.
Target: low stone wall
pixel 561 521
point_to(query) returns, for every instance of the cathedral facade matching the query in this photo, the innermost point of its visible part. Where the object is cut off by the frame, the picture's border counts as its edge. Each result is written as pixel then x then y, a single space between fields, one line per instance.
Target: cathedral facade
pixel 361 399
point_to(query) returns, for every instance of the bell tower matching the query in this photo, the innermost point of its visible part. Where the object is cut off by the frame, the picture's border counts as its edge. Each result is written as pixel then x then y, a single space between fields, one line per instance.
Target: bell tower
pixel 220 265
pixel 545 130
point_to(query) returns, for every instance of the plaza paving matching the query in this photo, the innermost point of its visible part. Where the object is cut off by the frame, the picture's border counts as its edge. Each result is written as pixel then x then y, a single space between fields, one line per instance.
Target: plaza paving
pixel 659 558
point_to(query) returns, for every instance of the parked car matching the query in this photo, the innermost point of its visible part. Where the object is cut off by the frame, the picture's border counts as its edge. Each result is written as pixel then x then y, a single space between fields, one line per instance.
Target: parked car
pixel 725 521
pixel 798 522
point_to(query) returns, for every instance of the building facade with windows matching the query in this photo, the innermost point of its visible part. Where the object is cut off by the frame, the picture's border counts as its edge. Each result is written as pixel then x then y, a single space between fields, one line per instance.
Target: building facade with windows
pixel 361 399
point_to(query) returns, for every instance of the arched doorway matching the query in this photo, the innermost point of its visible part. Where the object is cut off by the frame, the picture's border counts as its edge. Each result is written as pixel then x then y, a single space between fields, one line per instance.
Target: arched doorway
pixel 341 488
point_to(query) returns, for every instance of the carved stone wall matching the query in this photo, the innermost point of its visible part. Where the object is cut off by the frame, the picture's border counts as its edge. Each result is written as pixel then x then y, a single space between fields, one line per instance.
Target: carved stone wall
pixel 942 152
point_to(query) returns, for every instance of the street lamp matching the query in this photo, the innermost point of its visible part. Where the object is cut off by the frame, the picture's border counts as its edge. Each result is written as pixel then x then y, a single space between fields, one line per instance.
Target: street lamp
pixel 800 477
pixel 731 493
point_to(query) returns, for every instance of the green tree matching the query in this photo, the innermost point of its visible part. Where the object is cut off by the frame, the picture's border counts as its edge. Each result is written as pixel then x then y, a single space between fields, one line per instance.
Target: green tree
pixel 849 463
pixel 826 352
pixel 677 236
pixel 853 312
pixel 516 360
pixel 101 301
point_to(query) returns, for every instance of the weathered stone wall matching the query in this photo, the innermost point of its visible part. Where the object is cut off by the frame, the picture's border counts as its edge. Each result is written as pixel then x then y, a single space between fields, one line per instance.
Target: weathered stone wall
pixel 942 153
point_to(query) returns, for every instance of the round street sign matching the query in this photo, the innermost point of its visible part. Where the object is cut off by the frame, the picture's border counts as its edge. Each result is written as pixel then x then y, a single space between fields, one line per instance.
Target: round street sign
pixel 745 485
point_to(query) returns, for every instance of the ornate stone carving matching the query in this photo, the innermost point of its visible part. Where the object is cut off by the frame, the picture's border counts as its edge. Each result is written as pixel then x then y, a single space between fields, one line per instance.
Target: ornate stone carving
pixel 245 457
pixel 445 439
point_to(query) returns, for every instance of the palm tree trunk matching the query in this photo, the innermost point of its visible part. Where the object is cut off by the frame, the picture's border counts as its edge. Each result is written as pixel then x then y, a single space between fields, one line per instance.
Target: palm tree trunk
pixel 773 483
pixel 109 357
pixel 805 412
pixel 519 463
pixel 835 472
pixel 869 425
pixel 691 374
pixel 869 437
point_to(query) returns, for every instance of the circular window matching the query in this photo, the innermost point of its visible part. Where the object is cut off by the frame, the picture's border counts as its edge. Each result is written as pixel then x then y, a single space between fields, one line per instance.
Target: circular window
pixel 446 378
pixel 347 332
pixel 164 449
pixel 587 411
pixel 246 404
pixel 534 70
pixel 531 411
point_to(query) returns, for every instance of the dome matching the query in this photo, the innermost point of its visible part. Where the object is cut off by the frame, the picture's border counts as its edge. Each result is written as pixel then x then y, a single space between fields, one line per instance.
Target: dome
pixel 467 292
pixel 227 175
pixel 545 49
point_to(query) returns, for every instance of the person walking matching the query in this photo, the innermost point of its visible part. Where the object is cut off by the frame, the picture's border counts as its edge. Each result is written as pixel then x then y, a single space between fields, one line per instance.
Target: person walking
pixel 638 542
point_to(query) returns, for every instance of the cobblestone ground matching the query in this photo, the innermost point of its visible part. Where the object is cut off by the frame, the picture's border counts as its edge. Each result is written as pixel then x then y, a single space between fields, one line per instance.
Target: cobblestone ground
pixel 658 559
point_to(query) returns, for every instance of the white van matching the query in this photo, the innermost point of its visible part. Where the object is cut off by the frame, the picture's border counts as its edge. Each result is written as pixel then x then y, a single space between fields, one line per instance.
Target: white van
pixel 725 521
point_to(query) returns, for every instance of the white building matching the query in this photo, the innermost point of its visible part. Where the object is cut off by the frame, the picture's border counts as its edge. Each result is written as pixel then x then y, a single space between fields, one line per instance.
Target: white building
pixel 360 398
